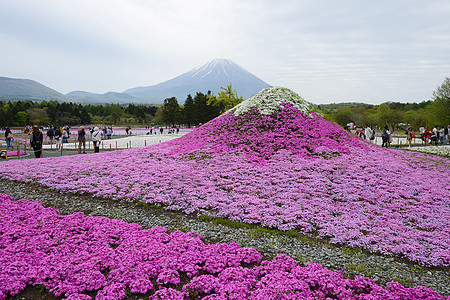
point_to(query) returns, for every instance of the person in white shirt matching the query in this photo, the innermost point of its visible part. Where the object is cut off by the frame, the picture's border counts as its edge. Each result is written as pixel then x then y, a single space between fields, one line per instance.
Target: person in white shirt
pixel 368 133
pixel 96 138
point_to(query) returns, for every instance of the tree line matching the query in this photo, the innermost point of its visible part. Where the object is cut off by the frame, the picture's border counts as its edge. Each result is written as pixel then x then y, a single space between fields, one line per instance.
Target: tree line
pixel 394 114
pixel 202 107
pixel 196 110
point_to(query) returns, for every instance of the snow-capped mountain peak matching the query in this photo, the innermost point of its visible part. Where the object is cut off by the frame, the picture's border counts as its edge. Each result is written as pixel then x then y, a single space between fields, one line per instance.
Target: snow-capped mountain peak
pixel 211 76
pixel 216 68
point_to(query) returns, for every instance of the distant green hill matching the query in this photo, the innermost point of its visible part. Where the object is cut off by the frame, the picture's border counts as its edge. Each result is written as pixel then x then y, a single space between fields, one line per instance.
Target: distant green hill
pixel 13 89
pixel 333 106
pixel 109 97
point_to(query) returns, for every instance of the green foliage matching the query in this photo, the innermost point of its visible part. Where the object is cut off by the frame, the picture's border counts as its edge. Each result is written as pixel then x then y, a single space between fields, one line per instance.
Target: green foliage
pixel 226 99
pixel 171 113
pixel 335 106
pixel 440 111
pixel 188 111
pixel 67 113
pixel 351 251
pixel 417 118
pixel 343 116
pixel 42 289
pixel 426 113
pixel 21 118
pixel 197 111
pixel 37 116
pixel 386 116
pixel 442 91
pixel 440 108
pixel 224 221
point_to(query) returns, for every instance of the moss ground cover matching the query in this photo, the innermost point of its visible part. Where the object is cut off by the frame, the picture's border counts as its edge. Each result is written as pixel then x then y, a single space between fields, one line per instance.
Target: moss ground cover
pixel 281 168
pixel 79 257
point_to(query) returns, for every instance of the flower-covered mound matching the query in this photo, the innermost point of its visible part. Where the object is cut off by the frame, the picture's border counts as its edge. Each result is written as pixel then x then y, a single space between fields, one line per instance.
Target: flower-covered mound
pixel 286 170
pixel 268 101
pixel 260 136
pixel 79 257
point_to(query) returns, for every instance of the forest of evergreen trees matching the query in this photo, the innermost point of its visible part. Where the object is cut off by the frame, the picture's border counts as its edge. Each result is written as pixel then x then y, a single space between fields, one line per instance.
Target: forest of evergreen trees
pixel 21 113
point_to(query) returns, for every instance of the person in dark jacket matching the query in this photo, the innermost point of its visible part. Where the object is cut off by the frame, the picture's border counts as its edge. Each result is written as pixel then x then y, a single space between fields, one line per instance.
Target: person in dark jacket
pixel 8 137
pixel 385 137
pixel 36 139
pixel 51 134
pixel 81 139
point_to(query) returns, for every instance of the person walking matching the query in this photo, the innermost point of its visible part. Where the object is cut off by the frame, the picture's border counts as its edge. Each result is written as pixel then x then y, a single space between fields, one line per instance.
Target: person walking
pixel 427 136
pixel 410 135
pixel 385 137
pixel 36 139
pixel 441 135
pixel 435 135
pixel 50 134
pixel 96 138
pixel 447 134
pixel 58 136
pixel 81 140
pixel 368 133
pixel 108 133
pixel 8 137
pixel 65 135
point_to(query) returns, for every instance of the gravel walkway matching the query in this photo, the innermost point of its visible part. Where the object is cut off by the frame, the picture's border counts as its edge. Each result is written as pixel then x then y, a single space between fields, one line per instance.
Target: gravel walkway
pixel 352 261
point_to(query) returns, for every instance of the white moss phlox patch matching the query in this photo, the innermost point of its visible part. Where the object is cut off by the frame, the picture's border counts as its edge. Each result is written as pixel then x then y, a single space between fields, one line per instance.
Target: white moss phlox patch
pixel 268 100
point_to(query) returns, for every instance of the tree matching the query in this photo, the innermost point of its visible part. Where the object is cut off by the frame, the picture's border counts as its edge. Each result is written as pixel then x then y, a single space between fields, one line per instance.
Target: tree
pixel 189 111
pixel 440 111
pixel 384 115
pixel 343 116
pixel 85 118
pixel 440 107
pixel 417 118
pixel 159 115
pixel 359 115
pixel 38 116
pixel 171 111
pixel 226 99
pixel 442 91
pixel 21 118
pixel 203 111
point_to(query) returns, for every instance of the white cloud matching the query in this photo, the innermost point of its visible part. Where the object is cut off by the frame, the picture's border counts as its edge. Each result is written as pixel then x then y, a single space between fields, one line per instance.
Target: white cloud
pixel 324 50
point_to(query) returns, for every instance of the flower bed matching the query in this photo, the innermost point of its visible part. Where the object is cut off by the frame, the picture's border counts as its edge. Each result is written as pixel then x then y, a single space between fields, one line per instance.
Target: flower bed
pixel 79 257
pixel 281 169
pixel 14 153
pixel 436 150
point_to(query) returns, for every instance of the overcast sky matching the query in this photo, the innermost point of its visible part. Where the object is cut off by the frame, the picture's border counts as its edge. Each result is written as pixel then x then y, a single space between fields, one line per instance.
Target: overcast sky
pixel 326 51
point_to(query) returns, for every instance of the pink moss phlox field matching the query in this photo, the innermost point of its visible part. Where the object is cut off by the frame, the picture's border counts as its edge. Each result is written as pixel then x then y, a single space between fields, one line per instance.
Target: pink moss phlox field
pixel 260 137
pixel 286 170
pixel 74 254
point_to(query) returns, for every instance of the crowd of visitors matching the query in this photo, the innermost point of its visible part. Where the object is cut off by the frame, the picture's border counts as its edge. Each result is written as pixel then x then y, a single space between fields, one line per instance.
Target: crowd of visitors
pixel 439 135
pixel 170 130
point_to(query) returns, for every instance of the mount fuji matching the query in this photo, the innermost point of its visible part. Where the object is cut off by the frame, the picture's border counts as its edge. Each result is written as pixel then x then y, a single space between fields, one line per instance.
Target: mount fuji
pixel 210 77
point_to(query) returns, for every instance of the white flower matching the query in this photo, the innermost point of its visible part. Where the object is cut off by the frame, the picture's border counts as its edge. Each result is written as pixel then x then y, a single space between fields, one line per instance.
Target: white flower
pixel 437 150
pixel 268 100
